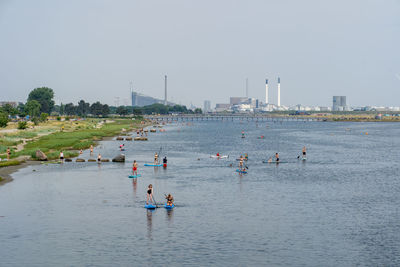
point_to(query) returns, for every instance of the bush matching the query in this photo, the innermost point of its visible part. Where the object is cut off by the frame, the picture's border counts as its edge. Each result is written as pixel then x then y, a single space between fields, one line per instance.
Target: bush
pixel 67 118
pixel 22 125
pixel 35 121
pixel 59 118
pixel 43 117
pixel 3 119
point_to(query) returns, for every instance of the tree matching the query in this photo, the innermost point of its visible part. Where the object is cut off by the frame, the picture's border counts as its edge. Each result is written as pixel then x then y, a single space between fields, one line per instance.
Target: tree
pixel 21 110
pixel 10 110
pixel 32 108
pixel 83 108
pixel 121 110
pixel 96 108
pixel 70 109
pixel 44 96
pixel 43 117
pixel 198 111
pixel 3 119
pixel 105 110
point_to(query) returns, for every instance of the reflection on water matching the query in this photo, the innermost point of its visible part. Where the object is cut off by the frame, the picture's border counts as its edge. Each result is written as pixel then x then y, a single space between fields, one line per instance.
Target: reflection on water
pixel 134 183
pixel 149 217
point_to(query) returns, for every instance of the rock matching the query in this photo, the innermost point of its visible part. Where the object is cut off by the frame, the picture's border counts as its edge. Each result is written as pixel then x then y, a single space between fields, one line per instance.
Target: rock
pixel 128 139
pixel 120 138
pixel 40 155
pixel 119 158
pixel 80 160
pixel 153 130
pixel 105 160
pixel 140 139
pixel 68 160
pixel 91 160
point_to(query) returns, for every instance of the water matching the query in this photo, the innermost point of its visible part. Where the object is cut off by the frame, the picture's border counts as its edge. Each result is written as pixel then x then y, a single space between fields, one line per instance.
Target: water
pixel 340 208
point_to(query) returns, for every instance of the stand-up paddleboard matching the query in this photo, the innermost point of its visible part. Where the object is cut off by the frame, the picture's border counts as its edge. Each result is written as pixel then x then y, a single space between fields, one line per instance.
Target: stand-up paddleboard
pixel 150 206
pixel 274 161
pixel 243 159
pixel 219 157
pixel 152 165
pixel 169 207
pixel 241 171
pixel 304 159
pixel 165 165
pixel 134 176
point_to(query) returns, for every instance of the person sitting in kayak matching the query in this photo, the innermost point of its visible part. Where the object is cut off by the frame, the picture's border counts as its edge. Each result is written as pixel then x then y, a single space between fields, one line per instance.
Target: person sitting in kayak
pixel 156 159
pixel 277 157
pixel 134 168
pixel 149 194
pixel 170 200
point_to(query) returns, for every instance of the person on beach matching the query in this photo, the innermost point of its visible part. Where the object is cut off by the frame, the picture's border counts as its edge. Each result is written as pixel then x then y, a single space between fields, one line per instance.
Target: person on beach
pixel 62 156
pixel 99 158
pixel 8 153
pixel 170 200
pixel 81 152
pixel 277 157
pixel 156 159
pixel 149 194
pixel 134 167
pixel 91 149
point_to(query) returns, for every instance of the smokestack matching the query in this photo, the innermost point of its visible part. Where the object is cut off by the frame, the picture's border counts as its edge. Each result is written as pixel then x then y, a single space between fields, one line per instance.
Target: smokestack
pixel 165 98
pixel 279 92
pixel 247 87
pixel 266 91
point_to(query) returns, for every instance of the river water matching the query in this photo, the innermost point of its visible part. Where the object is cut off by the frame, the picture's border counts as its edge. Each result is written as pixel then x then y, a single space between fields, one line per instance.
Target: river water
pixel 339 208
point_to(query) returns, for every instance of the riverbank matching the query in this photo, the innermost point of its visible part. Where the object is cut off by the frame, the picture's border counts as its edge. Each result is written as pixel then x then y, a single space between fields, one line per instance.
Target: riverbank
pixel 69 137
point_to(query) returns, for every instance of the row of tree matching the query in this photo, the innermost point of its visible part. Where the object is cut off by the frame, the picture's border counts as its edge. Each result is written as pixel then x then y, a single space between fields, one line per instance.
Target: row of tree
pixel 153 109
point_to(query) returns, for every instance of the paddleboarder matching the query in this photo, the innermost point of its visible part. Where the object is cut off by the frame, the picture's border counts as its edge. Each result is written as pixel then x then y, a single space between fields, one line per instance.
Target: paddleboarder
pixel 304 152
pixel 170 200
pixel 91 150
pixel 149 194
pixel 156 159
pixel 277 157
pixel 134 168
pixel 165 162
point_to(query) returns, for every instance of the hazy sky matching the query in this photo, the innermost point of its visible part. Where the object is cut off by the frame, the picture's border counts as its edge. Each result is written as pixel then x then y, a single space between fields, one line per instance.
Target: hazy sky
pixel 92 49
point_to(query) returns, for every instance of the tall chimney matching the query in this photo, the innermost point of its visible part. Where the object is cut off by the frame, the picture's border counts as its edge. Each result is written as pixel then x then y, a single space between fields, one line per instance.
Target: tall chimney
pixel 247 87
pixel 266 91
pixel 279 92
pixel 165 98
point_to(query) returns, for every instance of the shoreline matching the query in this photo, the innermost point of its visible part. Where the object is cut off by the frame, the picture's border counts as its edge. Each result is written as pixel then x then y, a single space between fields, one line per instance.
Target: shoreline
pixel 6 172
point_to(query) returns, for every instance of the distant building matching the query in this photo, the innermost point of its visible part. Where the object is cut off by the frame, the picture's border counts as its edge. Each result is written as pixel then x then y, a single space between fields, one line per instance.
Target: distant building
pixel 139 100
pixel 222 107
pixel 339 103
pixel 238 100
pixel 14 104
pixel 207 106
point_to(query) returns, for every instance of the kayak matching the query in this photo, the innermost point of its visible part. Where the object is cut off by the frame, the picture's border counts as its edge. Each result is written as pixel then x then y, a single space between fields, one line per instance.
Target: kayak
pixel 150 206
pixel 134 176
pixel 219 157
pixel 241 171
pixel 153 165
pixel 169 207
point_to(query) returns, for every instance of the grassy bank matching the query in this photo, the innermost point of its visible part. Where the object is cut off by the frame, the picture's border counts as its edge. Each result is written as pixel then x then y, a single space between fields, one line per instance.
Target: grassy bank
pixel 75 135
pixel 9 163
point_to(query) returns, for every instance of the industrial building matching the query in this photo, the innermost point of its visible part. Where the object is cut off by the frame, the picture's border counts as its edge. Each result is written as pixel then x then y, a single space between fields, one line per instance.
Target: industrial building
pixel 207 106
pixel 339 103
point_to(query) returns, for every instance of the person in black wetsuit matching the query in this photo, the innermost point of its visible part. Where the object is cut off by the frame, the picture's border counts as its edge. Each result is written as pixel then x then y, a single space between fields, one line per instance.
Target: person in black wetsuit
pixel 149 194
pixel 165 160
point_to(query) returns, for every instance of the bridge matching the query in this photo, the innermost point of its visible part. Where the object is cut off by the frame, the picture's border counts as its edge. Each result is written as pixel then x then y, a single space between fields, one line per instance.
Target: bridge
pixel 231 117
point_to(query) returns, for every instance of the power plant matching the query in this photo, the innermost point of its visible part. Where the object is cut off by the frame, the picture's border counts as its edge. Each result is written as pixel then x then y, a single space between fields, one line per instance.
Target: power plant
pixel 279 92
pixel 266 91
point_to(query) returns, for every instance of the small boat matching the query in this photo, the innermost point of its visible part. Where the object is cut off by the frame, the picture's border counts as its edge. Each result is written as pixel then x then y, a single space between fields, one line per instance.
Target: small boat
pixel 152 165
pixel 169 207
pixel 150 206
pixel 134 176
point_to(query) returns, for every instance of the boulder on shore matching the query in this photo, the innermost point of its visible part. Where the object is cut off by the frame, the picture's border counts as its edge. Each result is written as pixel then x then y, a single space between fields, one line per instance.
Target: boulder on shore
pixel 140 138
pixel 68 160
pixel 40 155
pixel 119 158
pixel 105 160
pixel 119 138
pixel 91 160
pixel 80 160
pixel 128 139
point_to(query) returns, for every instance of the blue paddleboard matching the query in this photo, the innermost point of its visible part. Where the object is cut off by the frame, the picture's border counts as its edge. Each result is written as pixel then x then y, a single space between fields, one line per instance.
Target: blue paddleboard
pixel 134 176
pixel 153 165
pixel 240 171
pixel 150 206
pixel 168 207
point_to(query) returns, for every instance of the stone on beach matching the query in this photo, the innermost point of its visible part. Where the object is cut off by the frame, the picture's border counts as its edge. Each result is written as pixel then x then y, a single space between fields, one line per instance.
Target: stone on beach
pixel 80 160
pixel 40 155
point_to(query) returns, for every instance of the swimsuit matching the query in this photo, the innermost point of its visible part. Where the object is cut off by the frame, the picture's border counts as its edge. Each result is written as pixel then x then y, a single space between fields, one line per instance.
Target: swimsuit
pixel 149 191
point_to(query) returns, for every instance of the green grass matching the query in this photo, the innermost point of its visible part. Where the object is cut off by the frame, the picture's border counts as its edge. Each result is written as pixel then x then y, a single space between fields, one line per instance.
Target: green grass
pixel 78 139
pixel 1 179
pixel 22 134
pixel 9 163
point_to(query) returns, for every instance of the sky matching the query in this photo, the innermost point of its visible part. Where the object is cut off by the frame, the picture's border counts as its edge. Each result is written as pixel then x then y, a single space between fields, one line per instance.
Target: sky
pixel 93 49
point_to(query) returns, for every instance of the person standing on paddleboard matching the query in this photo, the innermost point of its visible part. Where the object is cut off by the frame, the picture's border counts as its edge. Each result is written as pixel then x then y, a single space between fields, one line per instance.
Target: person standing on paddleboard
pixel 165 162
pixel 277 157
pixel 91 150
pixel 241 163
pixel 156 159
pixel 304 152
pixel 134 168
pixel 149 194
